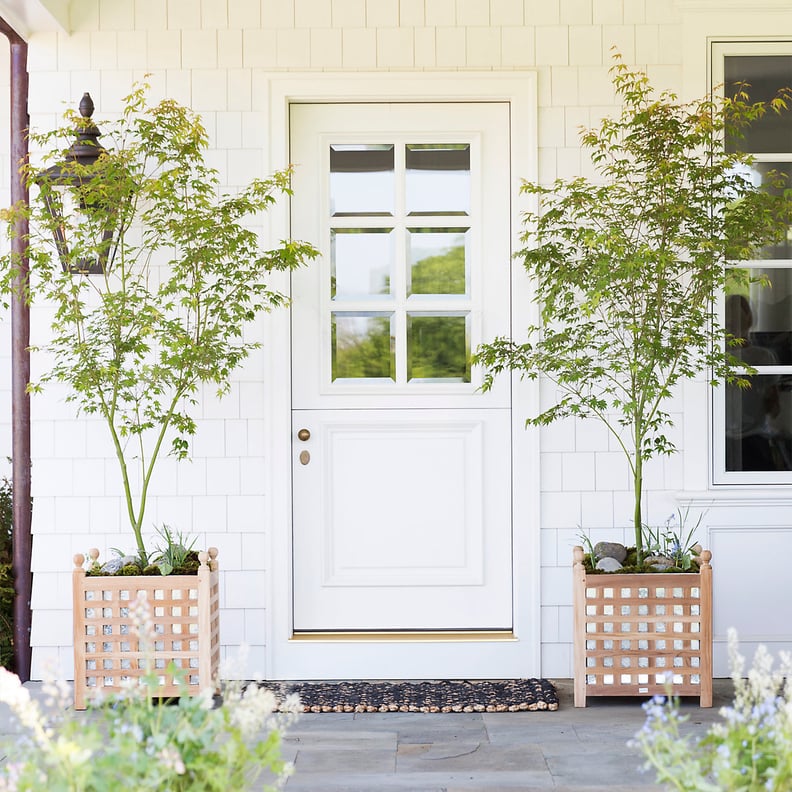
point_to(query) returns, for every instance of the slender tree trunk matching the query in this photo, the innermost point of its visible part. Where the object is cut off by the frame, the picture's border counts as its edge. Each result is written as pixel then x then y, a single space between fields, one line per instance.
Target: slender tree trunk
pixel 637 517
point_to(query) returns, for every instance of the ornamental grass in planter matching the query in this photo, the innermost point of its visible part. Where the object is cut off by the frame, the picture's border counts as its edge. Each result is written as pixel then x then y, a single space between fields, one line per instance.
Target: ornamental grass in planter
pixel 154 278
pixel 628 269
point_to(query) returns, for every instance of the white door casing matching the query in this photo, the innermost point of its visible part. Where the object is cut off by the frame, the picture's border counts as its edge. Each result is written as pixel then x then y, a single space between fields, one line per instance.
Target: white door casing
pixel 358 430
pixel 402 491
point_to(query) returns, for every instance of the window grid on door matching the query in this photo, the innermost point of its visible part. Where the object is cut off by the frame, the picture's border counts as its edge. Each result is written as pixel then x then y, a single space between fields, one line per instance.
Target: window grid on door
pixel 400 292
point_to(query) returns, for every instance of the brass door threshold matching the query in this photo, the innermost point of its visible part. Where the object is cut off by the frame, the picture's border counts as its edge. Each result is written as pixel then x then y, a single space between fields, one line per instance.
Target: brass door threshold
pixel 410 636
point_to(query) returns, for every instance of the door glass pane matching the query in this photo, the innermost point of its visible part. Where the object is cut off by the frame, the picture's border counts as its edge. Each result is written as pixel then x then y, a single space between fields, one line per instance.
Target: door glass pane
pixel 361 261
pixel 765 75
pixel 759 416
pixel 758 424
pixel 437 261
pixel 767 173
pixel 438 179
pixel 362 346
pixel 438 347
pixel 762 315
pixel 361 180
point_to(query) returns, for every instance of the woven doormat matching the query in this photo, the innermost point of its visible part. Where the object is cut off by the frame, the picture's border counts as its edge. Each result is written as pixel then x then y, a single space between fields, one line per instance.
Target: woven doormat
pixel 514 695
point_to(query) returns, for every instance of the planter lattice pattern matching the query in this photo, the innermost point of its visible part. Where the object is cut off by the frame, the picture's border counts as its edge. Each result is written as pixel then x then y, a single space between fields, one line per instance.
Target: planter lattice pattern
pixel 635 632
pixel 184 610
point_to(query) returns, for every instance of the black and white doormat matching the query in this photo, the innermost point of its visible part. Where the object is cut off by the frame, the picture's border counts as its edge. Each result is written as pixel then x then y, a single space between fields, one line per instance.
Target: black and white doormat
pixel 512 695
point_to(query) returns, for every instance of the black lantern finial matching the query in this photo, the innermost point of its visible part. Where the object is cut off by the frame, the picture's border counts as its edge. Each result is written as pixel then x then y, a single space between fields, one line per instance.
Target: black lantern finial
pixel 86 148
pixel 83 152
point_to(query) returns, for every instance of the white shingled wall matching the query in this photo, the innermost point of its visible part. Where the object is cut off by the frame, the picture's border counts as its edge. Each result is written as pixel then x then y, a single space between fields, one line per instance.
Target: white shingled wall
pixel 215 55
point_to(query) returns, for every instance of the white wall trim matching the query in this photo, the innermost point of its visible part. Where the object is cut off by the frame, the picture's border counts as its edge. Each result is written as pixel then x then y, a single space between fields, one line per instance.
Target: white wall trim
pixel 519 88
pixel 34 16
pixel 713 6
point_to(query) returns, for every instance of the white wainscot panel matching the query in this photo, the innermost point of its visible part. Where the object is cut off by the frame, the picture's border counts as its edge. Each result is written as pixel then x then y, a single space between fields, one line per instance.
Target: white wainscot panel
pixel 752 589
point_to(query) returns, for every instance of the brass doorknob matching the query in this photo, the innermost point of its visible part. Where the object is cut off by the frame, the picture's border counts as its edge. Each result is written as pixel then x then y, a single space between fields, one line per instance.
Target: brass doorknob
pixel 304 435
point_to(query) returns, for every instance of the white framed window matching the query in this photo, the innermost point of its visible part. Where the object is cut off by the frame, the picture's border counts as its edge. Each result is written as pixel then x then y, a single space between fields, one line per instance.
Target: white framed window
pixel 752 427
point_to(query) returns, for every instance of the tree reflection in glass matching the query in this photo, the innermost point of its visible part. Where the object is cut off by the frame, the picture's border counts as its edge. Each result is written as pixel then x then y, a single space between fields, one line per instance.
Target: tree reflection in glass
pixel 362 346
pixel 438 261
pixel 438 347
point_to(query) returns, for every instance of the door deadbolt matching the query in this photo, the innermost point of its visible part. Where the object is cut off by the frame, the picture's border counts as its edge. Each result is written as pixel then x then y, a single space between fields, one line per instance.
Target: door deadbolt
pixel 304 435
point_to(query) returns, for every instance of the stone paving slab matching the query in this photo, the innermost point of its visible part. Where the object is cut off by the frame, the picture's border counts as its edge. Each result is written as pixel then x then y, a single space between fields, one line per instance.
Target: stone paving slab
pixel 416 727
pixel 601 768
pixel 426 782
pixel 479 757
pixel 352 759
pixel 327 740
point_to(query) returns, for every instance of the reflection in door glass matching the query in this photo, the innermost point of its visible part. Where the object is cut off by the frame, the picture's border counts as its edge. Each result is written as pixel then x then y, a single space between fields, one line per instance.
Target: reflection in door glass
pixel 437 261
pixel 362 346
pixel 757 431
pixel 775 177
pixel 438 179
pixel 758 418
pixel 438 347
pixel 762 76
pixel 361 261
pixel 361 180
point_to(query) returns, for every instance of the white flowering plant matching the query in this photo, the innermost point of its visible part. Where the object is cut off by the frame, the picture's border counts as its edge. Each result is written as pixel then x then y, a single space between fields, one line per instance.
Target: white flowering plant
pixel 135 741
pixel 748 750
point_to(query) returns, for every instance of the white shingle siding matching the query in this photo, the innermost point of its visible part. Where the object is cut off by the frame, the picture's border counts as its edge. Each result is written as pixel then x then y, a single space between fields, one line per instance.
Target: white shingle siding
pixel 215 56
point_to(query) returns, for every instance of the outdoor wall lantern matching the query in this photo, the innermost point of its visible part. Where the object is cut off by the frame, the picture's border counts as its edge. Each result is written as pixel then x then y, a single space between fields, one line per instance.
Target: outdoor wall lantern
pixel 69 187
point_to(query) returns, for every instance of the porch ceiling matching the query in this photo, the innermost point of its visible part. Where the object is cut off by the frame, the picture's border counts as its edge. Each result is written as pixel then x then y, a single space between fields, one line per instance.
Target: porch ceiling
pixel 34 16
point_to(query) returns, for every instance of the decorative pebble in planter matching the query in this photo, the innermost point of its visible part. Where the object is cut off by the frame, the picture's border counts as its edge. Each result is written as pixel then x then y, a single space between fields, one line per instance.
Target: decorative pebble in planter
pixel 185 610
pixel 632 630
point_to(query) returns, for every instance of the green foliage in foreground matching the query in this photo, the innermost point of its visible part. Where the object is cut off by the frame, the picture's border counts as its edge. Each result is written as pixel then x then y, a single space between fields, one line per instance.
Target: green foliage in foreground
pixel 134 741
pixel 626 268
pixel 183 278
pixel 749 750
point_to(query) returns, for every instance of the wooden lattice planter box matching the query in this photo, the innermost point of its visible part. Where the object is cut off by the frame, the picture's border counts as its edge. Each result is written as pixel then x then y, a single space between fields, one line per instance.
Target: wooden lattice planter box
pixel 632 630
pixel 185 610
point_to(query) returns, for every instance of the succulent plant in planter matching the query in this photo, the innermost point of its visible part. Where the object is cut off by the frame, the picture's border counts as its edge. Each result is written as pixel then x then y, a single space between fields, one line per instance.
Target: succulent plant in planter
pixel 173 555
pixel 670 548
pixel 627 268
pixel 153 281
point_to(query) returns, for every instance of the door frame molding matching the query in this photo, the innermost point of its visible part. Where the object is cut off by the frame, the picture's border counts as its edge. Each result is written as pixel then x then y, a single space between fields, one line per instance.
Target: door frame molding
pixel 276 93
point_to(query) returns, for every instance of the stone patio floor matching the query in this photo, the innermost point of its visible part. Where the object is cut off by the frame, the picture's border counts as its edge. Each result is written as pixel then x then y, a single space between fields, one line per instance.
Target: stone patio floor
pixel 580 749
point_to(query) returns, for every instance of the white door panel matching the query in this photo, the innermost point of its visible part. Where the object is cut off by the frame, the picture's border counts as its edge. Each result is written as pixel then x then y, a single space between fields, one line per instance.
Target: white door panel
pixel 402 477
pixel 407 502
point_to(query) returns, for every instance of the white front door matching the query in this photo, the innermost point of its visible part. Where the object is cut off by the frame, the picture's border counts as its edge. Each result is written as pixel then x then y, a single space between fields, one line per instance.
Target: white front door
pixel 401 466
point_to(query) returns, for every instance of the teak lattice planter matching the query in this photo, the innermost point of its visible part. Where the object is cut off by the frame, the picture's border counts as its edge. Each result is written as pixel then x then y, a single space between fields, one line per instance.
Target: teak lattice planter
pixel 185 611
pixel 632 630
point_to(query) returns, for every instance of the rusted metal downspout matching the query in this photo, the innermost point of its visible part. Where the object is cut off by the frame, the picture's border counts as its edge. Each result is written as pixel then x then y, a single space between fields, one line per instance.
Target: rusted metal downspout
pixel 20 363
